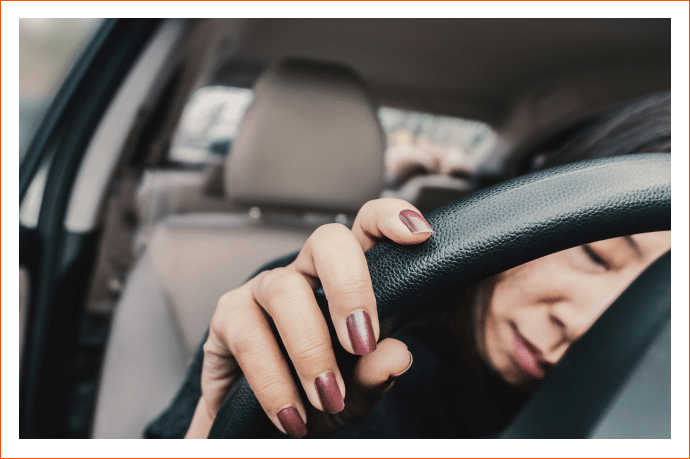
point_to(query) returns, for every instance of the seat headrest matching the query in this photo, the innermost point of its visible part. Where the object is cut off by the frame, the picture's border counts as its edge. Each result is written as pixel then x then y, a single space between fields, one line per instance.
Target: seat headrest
pixel 310 140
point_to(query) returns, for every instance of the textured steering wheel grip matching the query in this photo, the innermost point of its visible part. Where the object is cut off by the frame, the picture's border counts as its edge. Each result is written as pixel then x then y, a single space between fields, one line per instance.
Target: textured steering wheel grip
pixel 489 232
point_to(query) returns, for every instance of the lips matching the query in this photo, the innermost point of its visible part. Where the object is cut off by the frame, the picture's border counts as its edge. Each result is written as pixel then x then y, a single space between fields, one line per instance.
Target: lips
pixel 527 357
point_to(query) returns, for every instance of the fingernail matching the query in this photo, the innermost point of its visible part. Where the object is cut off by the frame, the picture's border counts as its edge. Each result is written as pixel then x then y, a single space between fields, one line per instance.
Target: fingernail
pixel 400 373
pixel 329 393
pixel 361 333
pixel 386 385
pixel 415 222
pixel 292 422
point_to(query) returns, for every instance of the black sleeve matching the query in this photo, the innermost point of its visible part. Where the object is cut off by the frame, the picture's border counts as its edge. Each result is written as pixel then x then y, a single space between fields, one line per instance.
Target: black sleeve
pixel 175 420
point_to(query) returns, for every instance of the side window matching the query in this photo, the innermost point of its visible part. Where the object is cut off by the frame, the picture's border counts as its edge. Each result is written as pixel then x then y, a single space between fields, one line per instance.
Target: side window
pixel 48 48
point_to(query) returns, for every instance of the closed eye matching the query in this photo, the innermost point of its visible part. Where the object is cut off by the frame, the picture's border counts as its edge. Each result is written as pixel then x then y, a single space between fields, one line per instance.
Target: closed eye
pixel 594 256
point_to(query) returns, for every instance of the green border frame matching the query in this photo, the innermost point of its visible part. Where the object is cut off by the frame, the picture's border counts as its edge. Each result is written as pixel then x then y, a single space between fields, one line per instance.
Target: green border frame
pixel 676 447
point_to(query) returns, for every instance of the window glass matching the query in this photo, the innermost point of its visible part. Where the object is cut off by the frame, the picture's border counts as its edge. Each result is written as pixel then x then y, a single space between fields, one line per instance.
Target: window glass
pixel 442 131
pixel 48 49
pixel 209 124
pixel 421 143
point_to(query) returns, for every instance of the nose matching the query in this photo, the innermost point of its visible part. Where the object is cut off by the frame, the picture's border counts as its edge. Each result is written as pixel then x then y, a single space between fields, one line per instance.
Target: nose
pixel 574 318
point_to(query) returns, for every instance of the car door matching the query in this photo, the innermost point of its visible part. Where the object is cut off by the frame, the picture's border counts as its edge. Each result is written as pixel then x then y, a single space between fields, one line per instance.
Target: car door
pixel 54 259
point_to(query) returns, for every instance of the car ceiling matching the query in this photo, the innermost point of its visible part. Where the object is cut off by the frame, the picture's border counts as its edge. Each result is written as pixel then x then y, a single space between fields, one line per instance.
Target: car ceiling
pixel 473 68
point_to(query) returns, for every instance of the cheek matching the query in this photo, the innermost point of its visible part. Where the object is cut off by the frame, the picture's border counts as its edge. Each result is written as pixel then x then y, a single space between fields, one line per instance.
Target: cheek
pixel 498 348
pixel 512 301
pixel 511 291
pixel 538 281
pixel 502 306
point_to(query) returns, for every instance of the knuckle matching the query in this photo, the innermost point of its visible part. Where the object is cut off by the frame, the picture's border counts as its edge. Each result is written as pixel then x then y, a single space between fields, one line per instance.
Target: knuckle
pixel 269 388
pixel 248 342
pixel 397 202
pixel 226 300
pixel 312 351
pixel 329 232
pixel 224 318
pixel 218 331
pixel 209 346
pixel 281 282
pixel 353 290
pixel 370 205
pixel 229 302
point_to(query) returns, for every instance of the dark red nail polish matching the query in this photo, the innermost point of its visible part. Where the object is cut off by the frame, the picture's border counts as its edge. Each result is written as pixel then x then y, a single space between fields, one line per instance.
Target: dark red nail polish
pixel 292 422
pixel 361 333
pixel 329 393
pixel 415 222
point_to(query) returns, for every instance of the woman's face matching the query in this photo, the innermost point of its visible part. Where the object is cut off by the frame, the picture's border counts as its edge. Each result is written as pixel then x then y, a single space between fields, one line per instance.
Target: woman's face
pixel 538 309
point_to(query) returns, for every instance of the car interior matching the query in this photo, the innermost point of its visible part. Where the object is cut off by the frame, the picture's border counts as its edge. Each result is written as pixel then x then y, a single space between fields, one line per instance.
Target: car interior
pixel 184 154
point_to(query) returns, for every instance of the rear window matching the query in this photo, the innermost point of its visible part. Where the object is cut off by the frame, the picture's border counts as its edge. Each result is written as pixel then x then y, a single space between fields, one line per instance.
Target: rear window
pixel 212 116
pixel 425 144
pixel 443 132
pixel 209 124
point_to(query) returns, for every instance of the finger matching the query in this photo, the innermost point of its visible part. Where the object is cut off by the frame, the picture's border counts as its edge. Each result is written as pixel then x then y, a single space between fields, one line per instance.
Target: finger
pixel 333 255
pixel 374 375
pixel 371 378
pixel 289 299
pixel 201 421
pixel 241 325
pixel 219 372
pixel 390 218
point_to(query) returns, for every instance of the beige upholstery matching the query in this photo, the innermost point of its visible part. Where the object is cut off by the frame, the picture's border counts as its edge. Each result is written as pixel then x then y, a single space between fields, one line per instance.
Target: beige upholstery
pixel 311 142
pixel 145 359
pixel 311 139
pixel 165 192
pixel 200 257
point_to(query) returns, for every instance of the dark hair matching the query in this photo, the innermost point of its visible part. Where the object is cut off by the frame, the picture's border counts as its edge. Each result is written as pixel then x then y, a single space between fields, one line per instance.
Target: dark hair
pixel 643 126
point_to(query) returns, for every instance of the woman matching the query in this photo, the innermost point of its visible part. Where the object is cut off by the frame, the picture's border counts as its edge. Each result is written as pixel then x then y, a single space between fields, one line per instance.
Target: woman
pixel 477 359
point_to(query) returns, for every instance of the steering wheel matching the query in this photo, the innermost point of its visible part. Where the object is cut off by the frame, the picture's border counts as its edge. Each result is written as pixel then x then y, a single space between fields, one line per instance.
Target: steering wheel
pixel 489 232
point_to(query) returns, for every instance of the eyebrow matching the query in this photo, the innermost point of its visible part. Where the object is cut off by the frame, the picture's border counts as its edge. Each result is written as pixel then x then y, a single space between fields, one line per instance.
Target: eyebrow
pixel 633 245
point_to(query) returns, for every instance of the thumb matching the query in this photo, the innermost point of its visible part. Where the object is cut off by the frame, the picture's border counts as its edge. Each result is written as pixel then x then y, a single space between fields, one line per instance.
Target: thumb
pixel 375 373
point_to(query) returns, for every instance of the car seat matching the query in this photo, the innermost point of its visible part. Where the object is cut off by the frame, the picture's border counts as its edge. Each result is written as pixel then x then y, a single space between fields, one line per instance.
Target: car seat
pixel 310 146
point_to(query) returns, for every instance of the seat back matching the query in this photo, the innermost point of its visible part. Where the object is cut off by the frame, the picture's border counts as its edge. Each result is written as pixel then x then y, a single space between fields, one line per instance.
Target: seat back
pixel 309 147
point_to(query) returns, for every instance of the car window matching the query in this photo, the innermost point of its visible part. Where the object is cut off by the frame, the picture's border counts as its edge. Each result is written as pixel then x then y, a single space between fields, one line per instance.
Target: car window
pixel 208 125
pixel 48 49
pixel 422 144
pixel 442 131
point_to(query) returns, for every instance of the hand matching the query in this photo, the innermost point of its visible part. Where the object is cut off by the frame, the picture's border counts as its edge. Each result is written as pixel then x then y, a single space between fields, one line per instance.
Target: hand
pixel 241 337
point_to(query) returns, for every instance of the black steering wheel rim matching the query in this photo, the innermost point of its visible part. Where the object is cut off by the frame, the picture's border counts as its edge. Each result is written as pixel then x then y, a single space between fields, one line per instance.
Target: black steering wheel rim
pixel 489 232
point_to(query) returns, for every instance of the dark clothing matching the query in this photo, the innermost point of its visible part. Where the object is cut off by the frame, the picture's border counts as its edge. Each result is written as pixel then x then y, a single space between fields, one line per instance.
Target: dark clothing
pixel 441 395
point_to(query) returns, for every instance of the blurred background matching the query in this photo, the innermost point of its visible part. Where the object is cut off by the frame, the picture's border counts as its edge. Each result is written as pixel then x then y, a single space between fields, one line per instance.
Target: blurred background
pixel 417 143
pixel 171 192
pixel 48 49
